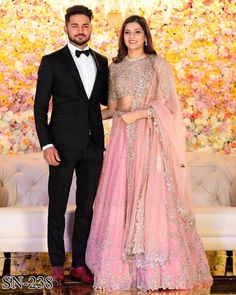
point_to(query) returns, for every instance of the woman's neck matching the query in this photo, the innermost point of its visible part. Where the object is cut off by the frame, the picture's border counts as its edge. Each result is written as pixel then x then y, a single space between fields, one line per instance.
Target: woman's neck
pixel 135 53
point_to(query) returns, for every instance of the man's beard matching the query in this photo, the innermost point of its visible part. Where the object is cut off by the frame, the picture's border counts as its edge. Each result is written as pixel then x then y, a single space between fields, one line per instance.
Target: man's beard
pixel 82 42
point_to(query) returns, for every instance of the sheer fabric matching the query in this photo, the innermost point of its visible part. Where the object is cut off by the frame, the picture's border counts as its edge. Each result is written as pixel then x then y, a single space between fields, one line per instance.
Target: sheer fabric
pixel 143 231
pixel 205 291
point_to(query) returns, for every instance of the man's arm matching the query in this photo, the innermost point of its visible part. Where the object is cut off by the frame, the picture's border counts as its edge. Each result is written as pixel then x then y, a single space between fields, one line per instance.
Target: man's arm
pixel 41 103
pixel 104 94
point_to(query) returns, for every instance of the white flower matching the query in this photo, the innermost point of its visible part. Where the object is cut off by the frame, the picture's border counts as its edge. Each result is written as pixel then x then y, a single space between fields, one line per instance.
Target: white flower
pixel 24 117
pixel 192 126
pixel 190 101
pixel 206 149
pixel 205 114
pixel 214 120
pixel 19 65
pixel 23 146
pixel 15 148
pixel 198 122
pixel 187 121
pixel 4 144
pixel 8 116
pixel 218 145
pixel 203 140
pixel 3 125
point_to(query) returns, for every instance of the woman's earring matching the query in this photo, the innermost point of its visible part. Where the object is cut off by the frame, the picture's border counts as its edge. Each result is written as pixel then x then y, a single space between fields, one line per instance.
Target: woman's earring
pixel 145 42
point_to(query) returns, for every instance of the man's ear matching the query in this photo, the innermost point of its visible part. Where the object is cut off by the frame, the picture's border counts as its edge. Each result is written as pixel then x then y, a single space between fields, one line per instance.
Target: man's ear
pixel 65 29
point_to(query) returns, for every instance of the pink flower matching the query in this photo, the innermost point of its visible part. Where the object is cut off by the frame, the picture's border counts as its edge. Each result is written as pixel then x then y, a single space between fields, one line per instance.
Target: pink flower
pixel 227 149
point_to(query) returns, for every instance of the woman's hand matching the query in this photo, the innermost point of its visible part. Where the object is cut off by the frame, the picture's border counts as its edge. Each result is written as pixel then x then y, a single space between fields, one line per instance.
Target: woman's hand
pixel 131 117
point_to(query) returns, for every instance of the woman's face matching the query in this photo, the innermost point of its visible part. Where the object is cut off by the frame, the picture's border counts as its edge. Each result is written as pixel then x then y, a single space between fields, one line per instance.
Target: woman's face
pixel 134 36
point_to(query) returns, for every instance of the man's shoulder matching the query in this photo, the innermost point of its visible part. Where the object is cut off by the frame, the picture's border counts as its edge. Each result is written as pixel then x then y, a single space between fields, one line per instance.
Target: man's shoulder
pixel 99 55
pixel 55 53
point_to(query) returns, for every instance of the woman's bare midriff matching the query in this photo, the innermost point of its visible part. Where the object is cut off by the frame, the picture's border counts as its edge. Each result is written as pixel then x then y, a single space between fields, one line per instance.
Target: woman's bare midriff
pixel 124 104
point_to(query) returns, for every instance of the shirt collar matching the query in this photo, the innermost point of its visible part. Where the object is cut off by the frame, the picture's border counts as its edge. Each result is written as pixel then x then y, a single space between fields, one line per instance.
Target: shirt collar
pixel 73 48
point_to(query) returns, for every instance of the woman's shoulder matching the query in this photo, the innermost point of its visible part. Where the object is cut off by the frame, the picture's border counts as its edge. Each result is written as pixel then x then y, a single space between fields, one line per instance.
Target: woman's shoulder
pixel 160 64
pixel 113 67
pixel 159 60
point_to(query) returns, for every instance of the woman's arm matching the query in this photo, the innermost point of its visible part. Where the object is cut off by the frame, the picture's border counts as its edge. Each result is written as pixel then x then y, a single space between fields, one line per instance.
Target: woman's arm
pixel 108 112
pixel 131 117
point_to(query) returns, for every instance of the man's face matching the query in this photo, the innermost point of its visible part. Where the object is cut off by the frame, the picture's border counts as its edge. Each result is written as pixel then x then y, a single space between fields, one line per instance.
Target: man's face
pixel 79 30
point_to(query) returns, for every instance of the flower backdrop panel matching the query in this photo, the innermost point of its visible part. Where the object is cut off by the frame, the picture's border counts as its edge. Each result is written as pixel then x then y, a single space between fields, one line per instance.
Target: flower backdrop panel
pixel 197 37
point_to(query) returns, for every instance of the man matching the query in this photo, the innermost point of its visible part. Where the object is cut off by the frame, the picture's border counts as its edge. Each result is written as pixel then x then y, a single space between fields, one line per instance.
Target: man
pixel 76 78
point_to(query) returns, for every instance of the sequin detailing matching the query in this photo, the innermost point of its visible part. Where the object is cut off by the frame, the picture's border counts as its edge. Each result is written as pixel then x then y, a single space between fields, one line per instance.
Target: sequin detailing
pixel 138 245
pixel 169 178
pixel 131 134
pixel 141 236
pixel 130 79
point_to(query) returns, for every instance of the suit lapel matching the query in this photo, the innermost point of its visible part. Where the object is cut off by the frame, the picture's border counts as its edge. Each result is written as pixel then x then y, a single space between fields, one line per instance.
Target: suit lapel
pixel 96 82
pixel 69 62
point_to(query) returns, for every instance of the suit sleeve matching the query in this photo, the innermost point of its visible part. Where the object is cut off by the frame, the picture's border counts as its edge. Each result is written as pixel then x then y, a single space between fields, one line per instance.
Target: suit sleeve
pixel 104 93
pixel 42 99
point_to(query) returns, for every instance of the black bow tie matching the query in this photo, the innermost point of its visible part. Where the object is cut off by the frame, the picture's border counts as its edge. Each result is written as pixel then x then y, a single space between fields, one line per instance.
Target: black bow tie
pixel 79 52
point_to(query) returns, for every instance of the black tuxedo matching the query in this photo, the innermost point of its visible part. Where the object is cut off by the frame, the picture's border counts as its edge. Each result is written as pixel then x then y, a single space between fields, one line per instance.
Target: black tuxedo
pixel 74 116
pixel 76 130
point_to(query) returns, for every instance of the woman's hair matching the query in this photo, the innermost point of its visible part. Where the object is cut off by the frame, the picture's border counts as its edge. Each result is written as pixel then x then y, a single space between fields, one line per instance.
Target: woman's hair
pixel 122 48
pixel 78 9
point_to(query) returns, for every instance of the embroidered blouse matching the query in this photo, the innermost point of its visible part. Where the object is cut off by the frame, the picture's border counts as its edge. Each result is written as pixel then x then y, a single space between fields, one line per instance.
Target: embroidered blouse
pixel 130 79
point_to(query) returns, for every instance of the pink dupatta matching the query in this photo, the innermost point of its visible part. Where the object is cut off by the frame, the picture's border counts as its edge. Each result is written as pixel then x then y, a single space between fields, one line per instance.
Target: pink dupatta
pixel 157 173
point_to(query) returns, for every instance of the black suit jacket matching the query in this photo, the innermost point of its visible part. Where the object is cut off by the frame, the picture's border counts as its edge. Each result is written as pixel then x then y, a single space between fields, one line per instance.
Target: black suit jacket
pixel 74 116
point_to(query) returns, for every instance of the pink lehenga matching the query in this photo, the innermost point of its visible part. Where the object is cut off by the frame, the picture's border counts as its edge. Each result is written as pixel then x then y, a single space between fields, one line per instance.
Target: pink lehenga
pixel 143 233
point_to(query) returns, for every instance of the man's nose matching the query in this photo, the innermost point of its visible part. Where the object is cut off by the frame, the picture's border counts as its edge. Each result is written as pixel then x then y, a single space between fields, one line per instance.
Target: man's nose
pixel 80 30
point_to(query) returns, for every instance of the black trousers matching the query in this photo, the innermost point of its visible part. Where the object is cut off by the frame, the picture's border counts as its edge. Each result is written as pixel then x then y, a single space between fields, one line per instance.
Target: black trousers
pixel 87 165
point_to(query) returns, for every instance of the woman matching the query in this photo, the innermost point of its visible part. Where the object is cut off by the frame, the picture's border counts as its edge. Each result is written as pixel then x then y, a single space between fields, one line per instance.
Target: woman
pixel 143 234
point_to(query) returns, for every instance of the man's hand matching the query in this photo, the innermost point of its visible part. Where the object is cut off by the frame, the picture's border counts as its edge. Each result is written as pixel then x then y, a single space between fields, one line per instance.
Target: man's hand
pixel 51 156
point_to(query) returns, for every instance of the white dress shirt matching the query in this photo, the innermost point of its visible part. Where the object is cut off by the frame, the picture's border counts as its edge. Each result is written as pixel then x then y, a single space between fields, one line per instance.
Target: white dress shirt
pixel 87 69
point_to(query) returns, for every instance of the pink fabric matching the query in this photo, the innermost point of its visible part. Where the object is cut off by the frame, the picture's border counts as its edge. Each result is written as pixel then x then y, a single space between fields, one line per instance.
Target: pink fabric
pixel 143 234
pixel 195 291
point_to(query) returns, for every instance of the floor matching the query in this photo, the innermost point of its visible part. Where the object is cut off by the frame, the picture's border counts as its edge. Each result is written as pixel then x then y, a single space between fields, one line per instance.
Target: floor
pixel 220 286
pixel 25 270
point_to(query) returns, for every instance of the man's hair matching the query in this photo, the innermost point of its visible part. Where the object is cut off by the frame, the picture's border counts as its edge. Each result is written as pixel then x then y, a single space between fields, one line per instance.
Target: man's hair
pixel 78 9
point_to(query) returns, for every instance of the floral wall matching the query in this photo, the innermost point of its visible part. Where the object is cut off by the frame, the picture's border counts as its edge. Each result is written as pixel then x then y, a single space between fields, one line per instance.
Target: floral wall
pixel 198 40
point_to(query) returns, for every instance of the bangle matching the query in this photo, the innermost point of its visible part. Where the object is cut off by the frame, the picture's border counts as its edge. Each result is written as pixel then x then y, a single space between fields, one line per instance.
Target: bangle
pixel 149 117
pixel 149 114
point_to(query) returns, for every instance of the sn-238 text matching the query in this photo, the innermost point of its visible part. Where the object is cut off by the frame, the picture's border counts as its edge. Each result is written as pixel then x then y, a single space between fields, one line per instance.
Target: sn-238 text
pixel 31 282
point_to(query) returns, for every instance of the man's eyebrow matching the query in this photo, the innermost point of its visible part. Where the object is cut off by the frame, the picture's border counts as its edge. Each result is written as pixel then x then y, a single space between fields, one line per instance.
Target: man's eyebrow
pixel 75 23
